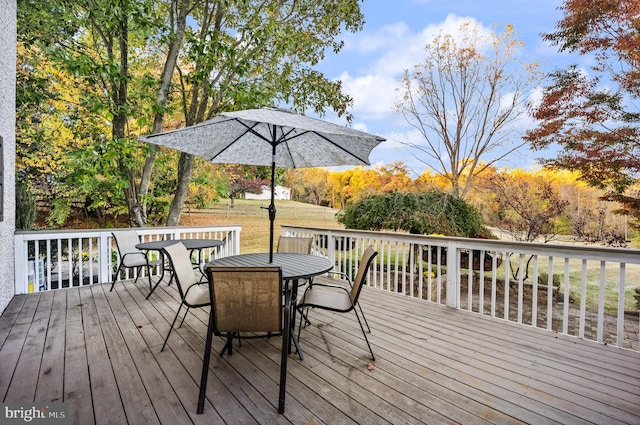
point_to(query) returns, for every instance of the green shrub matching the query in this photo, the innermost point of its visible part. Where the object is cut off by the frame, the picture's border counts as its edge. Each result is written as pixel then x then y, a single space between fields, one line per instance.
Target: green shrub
pixel 432 212
pixel 543 279
pixel 25 206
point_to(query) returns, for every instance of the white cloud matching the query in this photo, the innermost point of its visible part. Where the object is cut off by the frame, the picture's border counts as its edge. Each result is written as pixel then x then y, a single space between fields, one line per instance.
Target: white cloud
pixel 383 39
pixel 373 95
pixel 406 49
pixel 384 55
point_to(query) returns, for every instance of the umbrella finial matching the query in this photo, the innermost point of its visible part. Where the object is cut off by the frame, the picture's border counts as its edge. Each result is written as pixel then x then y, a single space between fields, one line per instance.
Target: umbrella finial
pixel 278 109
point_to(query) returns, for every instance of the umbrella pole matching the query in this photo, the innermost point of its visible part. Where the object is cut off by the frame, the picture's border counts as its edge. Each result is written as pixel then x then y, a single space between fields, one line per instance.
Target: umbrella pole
pixel 272 206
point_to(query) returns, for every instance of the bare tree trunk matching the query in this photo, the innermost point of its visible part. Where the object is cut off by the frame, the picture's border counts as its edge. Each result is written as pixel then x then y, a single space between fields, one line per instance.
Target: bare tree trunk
pixel 120 99
pixel 175 45
pixel 185 169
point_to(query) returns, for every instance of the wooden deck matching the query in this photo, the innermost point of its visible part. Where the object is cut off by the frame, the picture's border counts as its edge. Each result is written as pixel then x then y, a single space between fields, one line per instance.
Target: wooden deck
pixel 100 353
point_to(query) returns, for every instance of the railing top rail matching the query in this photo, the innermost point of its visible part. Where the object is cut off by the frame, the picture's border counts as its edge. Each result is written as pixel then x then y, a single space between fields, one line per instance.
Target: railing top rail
pixel 626 255
pixel 38 234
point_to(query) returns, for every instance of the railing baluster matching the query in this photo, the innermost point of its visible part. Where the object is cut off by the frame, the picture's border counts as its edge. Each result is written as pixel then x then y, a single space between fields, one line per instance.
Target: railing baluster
pixel 80 263
pixel 48 265
pixel 481 260
pixel 583 299
pixel 534 295
pixel 565 314
pixel 520 286
pixel 439 280
pixel 620 330
pixel 507 276
pixel 550 295
pixel 494 286
pixel 600 331
pixel 470 281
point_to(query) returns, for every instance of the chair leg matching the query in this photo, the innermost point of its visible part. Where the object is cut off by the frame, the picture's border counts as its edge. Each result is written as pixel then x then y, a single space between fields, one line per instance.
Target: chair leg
pixel 228 347
pixel 171 328
pixel 364 317
pixel 138 273
pixel 304 315
pixel 205 365
pixel 115 277
pixel 286 342
pixel 301 310
pixel 292 327
pixel 149 276
pixel 364 334
pixel 184 317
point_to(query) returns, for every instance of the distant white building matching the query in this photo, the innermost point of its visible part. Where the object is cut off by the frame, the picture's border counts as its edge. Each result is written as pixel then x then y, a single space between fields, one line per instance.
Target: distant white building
pixel 281 192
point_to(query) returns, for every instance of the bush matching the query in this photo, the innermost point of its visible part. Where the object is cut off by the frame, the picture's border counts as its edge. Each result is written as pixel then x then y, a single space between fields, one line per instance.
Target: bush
pixel 25 206
pixel 543 279
pixel 432 212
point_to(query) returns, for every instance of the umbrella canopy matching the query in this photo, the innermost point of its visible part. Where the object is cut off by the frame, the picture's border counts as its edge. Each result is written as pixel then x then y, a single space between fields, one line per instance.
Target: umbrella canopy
pixel 274 137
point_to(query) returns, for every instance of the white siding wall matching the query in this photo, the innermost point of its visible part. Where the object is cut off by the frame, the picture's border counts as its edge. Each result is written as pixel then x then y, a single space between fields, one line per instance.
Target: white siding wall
pixel 7 131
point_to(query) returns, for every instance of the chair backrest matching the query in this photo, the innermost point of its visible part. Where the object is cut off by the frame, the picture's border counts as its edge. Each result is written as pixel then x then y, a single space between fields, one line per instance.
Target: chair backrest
pixel 246 299
pixel 367 257
pixel 181 265
pixel 126 241
pixel 294 244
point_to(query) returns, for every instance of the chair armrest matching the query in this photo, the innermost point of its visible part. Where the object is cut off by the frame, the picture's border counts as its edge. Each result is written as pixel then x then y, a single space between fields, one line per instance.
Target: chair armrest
pixel 342 274
pixel 193 285
pixel 327 285
pixel 133 254
pixel 203 276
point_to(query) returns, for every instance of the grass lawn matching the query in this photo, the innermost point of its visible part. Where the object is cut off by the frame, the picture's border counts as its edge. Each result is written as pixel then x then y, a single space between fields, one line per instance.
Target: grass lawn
pixel 254 236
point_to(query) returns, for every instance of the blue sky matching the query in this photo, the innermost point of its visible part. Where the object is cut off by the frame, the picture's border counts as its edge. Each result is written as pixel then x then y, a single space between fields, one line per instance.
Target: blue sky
pixel 372 61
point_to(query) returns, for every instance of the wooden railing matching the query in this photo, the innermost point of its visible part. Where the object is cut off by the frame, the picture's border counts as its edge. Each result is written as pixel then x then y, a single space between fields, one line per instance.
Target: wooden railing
pixel 47 260
pixel 584 291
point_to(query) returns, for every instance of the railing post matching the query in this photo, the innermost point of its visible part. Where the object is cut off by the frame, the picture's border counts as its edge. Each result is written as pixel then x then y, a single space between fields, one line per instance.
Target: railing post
pixel 236 242
pixel 453 275
pixel 104 257
pixel 331 248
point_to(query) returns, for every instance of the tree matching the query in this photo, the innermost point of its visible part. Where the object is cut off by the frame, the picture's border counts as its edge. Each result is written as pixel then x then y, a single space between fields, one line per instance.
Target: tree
pixel 241 54
pixel 529 205
pixel 242 179
pixel 139 62
pixel 593 116
pixel 465 100
pixel 393 177
pixel 309 185
pixel 350 186
pixel 530 208
pixel 91 43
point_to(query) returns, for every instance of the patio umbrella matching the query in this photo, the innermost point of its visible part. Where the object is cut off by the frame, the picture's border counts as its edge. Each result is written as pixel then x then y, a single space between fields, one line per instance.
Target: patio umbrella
pixel 270 136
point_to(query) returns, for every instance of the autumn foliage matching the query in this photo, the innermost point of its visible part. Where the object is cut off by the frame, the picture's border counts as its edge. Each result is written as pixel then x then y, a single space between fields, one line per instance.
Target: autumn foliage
pixel 592 115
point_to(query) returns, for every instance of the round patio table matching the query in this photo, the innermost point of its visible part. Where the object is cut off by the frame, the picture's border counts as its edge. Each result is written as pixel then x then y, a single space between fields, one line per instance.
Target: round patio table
pixel 294 266
pixel 193 245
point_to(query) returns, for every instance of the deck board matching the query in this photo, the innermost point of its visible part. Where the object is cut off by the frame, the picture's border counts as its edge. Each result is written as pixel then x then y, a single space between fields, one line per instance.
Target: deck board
pixel 99 351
